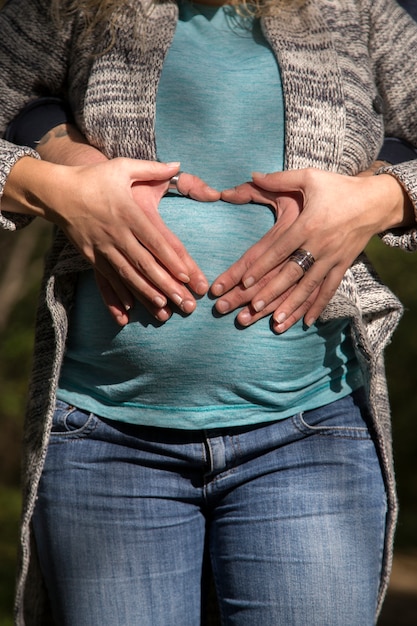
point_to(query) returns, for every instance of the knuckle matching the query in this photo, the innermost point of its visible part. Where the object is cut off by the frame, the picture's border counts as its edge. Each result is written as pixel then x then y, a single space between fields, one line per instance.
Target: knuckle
pixel 310 175
pixel 330 290
pixel 180 250
pixel 303 307
pixel 124 271
pixel 144 263
pixel 263 282
pixel 294 272
pixel 326 296
pixel 311 283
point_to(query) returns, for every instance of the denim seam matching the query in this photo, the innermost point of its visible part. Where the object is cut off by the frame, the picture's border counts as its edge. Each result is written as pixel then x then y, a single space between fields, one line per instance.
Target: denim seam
pixel 215 575
pixel 346 432
pixel 88 427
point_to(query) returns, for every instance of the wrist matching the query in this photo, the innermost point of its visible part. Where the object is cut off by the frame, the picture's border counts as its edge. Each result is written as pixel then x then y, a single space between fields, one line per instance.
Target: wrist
pixel 399 211
pixel 33 187
pixel 65 145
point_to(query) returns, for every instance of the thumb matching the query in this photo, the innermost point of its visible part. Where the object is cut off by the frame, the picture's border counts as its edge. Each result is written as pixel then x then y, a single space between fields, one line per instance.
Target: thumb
pixel 143 170
pixel 289 180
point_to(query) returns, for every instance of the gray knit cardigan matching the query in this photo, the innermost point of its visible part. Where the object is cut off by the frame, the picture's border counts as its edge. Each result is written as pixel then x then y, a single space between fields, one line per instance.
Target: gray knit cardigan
pixel 349 75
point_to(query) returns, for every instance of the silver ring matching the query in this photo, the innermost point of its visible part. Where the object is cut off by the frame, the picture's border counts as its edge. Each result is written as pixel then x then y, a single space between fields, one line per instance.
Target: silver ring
pixel 303 258
pixel 174 182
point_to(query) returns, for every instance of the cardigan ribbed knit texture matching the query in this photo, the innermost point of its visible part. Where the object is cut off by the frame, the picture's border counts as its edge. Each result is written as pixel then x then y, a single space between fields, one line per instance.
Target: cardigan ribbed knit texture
pixel 347 79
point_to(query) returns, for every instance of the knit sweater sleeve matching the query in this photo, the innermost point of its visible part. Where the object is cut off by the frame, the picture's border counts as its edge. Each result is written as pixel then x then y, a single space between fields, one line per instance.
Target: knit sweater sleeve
pixel 33 62
pixel 393 49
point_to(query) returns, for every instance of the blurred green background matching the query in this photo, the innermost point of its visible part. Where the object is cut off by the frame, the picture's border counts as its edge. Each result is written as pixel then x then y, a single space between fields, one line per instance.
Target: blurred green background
pixel 20 270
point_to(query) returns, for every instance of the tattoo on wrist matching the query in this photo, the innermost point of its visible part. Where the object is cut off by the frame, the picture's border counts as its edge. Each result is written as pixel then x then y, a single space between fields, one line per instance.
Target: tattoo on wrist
pixel 57 132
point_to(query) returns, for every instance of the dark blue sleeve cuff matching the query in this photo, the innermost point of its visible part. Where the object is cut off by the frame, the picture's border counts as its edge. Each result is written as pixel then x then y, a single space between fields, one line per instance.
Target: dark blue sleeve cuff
pixel 36 119
pixel 396 151
pixel 410 6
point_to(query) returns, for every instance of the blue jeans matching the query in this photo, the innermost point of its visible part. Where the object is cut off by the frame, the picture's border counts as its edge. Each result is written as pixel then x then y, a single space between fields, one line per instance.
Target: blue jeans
pixel 292 514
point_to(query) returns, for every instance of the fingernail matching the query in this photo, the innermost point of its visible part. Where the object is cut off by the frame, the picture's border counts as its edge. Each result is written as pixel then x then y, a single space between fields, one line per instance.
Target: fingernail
pixel 159 302
pixel 217 289
pixel 248 282
pixel 258 306
pixel 222 306
pixel 244 318
pixel 201 287
pixel 259 174
pixel 121 320
pixel 310 321
pixel 188 306
pixel 281 317
pixel 175 164
pixel 163 315
pixel 184 277
pixel 176 299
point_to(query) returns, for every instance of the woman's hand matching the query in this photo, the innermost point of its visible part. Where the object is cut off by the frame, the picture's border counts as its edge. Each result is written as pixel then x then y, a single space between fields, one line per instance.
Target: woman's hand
pixel 115 223
pixel 287 208
pixel 109 209
pixel 114 285
pixel 337 216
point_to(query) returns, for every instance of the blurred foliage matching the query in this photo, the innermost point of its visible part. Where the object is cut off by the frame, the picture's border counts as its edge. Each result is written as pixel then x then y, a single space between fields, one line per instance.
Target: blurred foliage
pixel 16 342
pixel 397 268
pixel 9 516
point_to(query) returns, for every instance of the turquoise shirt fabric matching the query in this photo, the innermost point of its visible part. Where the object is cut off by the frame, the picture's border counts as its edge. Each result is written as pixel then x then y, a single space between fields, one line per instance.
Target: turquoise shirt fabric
pixel 220 112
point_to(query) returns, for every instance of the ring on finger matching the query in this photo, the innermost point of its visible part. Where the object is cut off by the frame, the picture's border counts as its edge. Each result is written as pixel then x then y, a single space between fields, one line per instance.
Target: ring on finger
pixel 174 182
pixel 303 258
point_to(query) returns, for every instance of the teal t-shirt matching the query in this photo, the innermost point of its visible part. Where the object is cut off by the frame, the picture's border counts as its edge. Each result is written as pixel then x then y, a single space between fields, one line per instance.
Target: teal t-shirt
pixel 220 112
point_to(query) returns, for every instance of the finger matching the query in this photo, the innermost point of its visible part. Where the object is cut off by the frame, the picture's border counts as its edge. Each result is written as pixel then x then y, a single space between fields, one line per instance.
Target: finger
pixel 282 243
pixel 234 299
pixel 288 180
pixel 235 273
pixel 313 300
pixel 248 316
pixel 118 301
pixel 290 274
pixel 119 306
pixel 152 232
pixel 153 293
pixel 156 276
pixel 239 296
pixel 197 281
pixel 195 188
pixel 295 316
pixel 229 280
pixel 326 293
pixel 248 192
pixel 143 242
pixel 110 286
pixel 143 170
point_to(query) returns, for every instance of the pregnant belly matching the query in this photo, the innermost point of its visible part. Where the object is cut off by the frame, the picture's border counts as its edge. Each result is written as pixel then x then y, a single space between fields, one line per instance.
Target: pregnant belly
pixel 199 360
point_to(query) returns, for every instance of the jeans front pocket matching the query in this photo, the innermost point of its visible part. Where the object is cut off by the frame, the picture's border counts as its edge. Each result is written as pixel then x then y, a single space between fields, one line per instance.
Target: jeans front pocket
pixel 71 422
pixel 347 418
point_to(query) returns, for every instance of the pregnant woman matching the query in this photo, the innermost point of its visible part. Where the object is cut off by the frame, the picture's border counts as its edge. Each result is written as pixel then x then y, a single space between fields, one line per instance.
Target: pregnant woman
pixel 160 424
